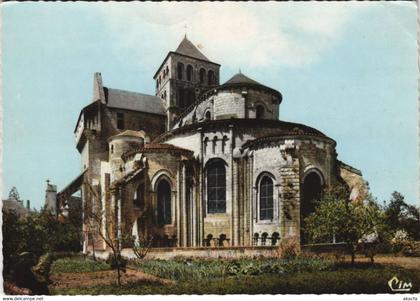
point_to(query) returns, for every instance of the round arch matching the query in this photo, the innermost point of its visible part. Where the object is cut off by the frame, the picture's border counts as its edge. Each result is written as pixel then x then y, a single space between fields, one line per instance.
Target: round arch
pixel 312 169
pixel 311 192
pixel 214 160
pixel 265 198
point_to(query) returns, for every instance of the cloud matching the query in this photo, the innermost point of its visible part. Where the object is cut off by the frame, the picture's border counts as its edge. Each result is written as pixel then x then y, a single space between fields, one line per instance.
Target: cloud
pixel 239 34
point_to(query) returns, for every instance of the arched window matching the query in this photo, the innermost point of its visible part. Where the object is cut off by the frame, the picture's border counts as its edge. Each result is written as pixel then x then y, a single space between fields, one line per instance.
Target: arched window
pixel 264 238
pixel 222 239
pixel 202 75
pixel 216 187
pixel 139 196
pixel 164 203
pixel 210 77
pixel 180 70
pixel 266 198
pixel 189 73
pixel 311 192
pixel 256 237
pixel 260 112
pixel 207 116
pixel 209 240
pixel 274 238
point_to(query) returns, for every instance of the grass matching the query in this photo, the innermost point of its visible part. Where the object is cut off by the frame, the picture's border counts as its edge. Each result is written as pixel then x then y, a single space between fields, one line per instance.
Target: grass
pixel 344 280
pixel 185 270
pixel 248 276
pixel 78 265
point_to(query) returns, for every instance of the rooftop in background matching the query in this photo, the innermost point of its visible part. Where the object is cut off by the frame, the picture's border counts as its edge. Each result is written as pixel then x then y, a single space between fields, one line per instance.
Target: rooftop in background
pixel 122 99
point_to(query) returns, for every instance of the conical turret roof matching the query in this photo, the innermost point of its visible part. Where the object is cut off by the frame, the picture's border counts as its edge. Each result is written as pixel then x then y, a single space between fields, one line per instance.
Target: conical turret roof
pixel 240 78
pixel 186 47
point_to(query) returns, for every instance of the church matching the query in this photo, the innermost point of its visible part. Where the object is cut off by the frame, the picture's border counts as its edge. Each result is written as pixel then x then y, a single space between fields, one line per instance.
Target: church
pixel 200 164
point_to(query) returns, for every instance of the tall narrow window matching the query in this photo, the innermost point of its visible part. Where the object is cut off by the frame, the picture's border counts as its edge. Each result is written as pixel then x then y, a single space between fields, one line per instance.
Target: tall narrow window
pixel 202 75
pixel 266 198
pixel 260 112
pixel 139 196
pixel 164 203
pixel 210 77
pixel 120 121
pixel 180 70
pixel 207 116
pixel 189 73
pixel 216 188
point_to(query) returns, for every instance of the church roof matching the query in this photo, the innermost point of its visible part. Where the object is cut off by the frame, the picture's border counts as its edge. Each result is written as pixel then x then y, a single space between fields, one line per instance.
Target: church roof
pixel 186 48
pixel 134 101
pixel 240 78
pixel 140 134
pixel 277 128
pixel 189 49
pixel 157 148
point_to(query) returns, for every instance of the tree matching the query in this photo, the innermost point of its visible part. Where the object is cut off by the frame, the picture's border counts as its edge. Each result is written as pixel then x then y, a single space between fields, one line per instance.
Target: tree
pixel 401 216
pixel 14 194
pixel 96 227
pixel 350 222
pixel 141 246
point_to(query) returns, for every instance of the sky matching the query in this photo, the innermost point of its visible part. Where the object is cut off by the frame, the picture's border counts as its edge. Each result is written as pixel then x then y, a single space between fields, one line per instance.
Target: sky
pixel 348 69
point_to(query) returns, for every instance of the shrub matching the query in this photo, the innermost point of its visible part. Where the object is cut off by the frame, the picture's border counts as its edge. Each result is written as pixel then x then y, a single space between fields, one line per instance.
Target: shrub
pixel 289 248
pixel 112 262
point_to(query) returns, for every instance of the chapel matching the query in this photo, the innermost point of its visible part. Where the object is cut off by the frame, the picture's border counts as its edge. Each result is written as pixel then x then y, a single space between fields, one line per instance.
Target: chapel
pixel 201 163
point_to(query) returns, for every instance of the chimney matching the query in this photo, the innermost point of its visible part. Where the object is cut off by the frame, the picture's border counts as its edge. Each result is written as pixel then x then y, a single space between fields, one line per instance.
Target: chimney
pixel 51 198
pixel 28 205
pixel 98 89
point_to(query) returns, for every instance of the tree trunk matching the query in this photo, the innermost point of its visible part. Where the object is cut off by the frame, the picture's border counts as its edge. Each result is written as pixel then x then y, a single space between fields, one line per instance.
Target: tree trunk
pixel 118 274
pixel 118 266
pixel 353 255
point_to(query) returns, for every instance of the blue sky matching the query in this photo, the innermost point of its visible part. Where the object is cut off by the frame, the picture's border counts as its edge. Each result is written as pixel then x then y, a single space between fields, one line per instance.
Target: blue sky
pixel 347 69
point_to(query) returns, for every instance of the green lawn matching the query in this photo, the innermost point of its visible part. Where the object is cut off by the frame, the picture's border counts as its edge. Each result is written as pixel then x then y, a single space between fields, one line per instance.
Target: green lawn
pixel 252 276
pixel 77 265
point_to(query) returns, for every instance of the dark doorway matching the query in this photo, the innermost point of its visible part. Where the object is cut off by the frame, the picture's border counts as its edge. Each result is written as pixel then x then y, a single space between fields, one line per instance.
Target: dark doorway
pixel 311 193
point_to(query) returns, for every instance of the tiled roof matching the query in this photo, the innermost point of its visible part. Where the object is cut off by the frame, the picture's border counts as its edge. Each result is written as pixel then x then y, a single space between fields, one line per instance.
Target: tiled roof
pixel 140 134
pixel 134 101
pixel 283 128
pixel 187 48
pixel 156 147
pixel 13 205
pixel 349 168
pixel 164 146
pixel 240 78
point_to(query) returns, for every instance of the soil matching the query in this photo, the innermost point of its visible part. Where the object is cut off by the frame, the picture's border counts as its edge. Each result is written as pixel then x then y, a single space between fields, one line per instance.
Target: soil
pixel 404 262
pixel 69 280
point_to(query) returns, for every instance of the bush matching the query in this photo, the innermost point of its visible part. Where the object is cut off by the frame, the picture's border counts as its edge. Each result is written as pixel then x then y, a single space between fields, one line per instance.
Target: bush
pixel 43 267
pixel 289 248
pixel 112 262
pixel 187 270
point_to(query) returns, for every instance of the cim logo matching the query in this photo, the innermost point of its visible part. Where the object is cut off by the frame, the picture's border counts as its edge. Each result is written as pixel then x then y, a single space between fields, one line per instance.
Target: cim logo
pixel 397 285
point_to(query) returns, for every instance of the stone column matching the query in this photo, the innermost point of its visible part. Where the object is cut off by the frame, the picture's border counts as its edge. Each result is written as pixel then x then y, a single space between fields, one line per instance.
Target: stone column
pixel 119 216
pixel 84 228
pixel 184 220
pixel 178 208
pixel 234 224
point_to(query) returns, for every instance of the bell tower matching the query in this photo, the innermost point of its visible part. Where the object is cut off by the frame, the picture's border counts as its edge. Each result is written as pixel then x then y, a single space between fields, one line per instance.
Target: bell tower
pixel 183 75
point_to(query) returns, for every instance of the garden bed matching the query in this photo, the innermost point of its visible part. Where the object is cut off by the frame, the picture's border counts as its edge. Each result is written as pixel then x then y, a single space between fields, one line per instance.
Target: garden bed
pixel 244 276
